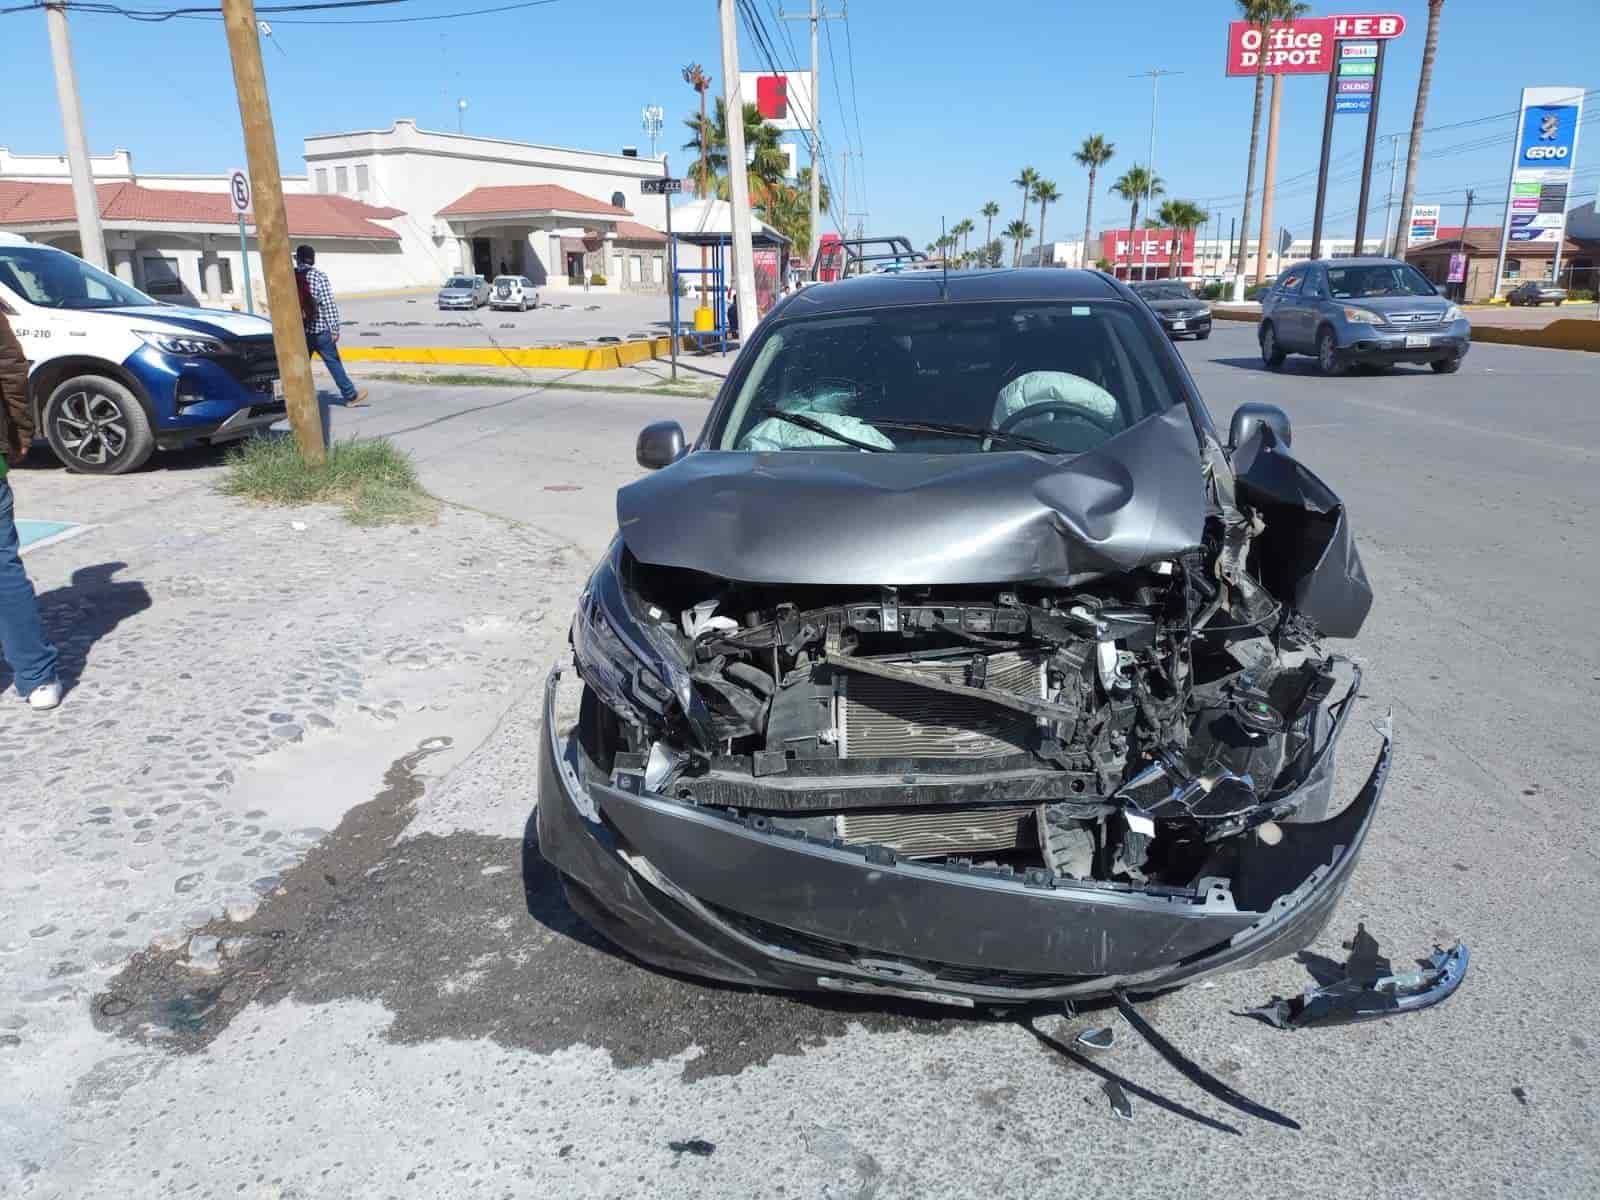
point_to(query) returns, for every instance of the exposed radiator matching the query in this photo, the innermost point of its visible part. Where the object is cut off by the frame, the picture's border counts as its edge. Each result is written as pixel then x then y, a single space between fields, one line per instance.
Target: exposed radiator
pixel 962 831
pixel 884 718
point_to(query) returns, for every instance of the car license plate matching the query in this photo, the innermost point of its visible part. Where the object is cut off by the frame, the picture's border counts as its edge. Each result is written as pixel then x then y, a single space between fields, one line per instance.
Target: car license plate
pixel 1418 341
pixel 277 391
pixel 1180 324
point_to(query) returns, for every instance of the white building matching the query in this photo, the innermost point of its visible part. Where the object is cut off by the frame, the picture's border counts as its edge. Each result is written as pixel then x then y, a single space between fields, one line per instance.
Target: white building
pixel 385 209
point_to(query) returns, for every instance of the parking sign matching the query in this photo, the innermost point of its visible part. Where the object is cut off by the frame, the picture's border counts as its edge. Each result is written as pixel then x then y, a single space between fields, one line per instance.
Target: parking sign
pixel 239 192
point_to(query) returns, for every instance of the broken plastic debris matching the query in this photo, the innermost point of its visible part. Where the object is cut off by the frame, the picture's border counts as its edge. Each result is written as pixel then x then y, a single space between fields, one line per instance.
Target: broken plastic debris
pixel 698 1147
pixel 1367 987
pixel 1121 1106
pixel 1097 1039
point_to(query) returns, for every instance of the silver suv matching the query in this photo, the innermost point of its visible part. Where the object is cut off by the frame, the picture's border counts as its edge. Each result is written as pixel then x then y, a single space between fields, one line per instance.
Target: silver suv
pixel 1368 311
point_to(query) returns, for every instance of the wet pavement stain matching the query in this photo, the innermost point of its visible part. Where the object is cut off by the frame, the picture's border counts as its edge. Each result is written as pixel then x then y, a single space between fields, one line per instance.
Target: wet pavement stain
pixel 465 937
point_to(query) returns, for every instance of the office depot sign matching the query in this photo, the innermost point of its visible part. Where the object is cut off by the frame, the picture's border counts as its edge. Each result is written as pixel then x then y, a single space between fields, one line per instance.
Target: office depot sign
pixel 1303 47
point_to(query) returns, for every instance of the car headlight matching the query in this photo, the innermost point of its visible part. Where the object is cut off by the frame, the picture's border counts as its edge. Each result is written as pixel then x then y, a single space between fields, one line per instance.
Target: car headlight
pixel 636 667
pixel 1452 314
pixel 195 345
pixel 1362 316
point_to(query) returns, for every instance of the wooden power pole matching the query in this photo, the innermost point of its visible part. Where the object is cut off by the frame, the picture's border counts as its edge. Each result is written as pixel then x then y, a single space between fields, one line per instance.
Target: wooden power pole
pixel 272 229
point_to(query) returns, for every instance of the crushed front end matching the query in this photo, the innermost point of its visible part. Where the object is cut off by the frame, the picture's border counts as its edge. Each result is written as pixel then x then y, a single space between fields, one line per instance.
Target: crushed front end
pixel 978 792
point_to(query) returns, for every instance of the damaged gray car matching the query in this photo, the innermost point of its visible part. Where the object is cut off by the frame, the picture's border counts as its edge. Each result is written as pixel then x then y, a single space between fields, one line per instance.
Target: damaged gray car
pixel 962 658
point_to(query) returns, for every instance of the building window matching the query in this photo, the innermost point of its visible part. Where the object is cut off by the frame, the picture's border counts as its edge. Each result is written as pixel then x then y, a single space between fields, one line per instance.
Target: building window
pixel 618 200
pixel 658 270
pixel 636 268
pixel 362 181
pixel 1513 268
pixel 322 179
pixel 161 276
pixel 225 275
pixel 341 178
pixel 616 267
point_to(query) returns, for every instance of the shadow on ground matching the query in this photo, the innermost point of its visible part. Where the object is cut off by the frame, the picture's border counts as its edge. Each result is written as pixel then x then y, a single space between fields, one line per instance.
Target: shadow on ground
pixel 81 613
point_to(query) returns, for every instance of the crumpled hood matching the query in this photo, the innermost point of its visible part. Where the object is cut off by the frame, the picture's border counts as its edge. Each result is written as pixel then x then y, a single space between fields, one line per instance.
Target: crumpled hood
pixel 851 518
pixel 180 319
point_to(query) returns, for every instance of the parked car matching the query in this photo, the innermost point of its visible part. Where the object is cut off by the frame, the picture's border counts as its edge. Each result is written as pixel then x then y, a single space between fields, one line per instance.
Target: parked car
pixel 114 374
pixel 962 658
pixel 513 291
pixel 1179 310
pixel 1369 311
pixel 464 291
pixel 1536 293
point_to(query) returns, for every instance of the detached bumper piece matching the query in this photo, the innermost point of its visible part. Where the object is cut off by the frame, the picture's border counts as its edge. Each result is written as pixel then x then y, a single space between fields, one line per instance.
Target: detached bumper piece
pixel 702 889
pixel 1371 988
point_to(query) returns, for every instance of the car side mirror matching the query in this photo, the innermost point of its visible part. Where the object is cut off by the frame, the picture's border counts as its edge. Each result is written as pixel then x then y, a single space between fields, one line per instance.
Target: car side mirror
pixel 1247 418
pixel 662 444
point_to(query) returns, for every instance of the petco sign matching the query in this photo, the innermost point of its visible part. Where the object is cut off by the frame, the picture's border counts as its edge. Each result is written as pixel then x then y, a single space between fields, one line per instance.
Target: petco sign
pixel 1302 47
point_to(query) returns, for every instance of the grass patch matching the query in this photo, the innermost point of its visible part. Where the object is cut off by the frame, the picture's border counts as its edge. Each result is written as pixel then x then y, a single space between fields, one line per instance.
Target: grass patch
pixel 467 379
pixel 374 481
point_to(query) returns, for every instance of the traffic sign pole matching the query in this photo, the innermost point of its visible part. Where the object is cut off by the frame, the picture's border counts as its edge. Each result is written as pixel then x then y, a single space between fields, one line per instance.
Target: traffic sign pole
pixel 239 193
pixel 244 261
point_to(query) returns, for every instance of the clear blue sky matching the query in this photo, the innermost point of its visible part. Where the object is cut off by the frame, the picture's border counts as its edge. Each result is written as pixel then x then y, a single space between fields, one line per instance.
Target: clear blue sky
pixel 953 97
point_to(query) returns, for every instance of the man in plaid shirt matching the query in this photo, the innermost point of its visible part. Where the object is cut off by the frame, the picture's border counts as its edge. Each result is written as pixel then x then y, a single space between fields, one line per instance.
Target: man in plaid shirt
pixel 322 330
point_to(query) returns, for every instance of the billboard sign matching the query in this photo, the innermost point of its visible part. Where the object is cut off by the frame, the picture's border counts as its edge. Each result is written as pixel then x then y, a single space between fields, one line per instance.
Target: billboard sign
pixel 1542 167
pixel 1357 50
pixel 1368 25
pixel 1424 224
pixel 1458 269
pixel 1352 104
pixel 1354 87
pixel 1303 47
pixel 1152 244
pixel 783 98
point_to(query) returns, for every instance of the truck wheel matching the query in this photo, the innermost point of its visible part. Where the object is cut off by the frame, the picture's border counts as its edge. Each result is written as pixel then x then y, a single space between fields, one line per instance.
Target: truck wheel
pixel 96 426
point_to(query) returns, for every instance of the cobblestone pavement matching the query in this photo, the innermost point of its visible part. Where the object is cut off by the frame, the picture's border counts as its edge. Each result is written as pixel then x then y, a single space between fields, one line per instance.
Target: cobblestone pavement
pixel 238 679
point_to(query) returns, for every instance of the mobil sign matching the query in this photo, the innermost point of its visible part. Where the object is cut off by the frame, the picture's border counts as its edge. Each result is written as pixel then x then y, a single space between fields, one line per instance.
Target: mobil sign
pixel 1303 47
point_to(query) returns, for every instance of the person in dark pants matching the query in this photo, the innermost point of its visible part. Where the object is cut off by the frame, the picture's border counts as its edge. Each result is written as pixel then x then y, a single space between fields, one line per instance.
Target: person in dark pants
pixel 32 657
pixel 320 312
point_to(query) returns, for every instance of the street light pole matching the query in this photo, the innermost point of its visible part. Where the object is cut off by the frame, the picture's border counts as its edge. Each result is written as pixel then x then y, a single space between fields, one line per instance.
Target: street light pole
pixel 1155 79
pixel 85 201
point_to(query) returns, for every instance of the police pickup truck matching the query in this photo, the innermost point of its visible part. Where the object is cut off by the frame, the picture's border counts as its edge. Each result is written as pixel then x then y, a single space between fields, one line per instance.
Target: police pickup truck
pixel 115 374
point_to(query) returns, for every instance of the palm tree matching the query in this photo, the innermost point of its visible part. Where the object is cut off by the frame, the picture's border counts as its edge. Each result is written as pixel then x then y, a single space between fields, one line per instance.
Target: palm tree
pixel 1094 154
pixel 1180 216
pixel 1133 185
pixel 1279 11
pixel 1045 193
pixel 1429 49
pixel 1025 180
pixel 990 211
pixel 961 229
pixel 695 76
pixel 992 252
pixel 709 138
pixel 1258 12
pixel 788 210
pixel 1018 232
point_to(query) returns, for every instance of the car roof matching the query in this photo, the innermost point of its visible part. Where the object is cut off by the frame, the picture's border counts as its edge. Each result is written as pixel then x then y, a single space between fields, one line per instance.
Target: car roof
pixel 932 287
pixel 1366 260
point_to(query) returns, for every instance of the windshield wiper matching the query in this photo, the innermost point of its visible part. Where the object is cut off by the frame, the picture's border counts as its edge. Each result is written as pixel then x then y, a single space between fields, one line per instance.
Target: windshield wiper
pixel 815 426
pixel 975 431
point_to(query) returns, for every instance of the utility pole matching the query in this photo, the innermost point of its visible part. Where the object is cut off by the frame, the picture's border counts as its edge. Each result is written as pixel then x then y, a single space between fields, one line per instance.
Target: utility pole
pixel 272 229
pixel 1388 204
pixel 85 201
pixel 1461 242
pixel 813 17
pixel 744 267
pixel 1155 79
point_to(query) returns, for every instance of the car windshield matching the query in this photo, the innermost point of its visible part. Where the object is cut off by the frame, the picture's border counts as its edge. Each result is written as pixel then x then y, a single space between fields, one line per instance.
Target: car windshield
pixel 56 279
pixel 460 281
pixel 1380 279
pixel 1163 291
pixel 951 379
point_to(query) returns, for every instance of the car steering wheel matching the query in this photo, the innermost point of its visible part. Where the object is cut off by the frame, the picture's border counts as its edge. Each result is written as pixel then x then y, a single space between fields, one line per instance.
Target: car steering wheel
pixel 1054 406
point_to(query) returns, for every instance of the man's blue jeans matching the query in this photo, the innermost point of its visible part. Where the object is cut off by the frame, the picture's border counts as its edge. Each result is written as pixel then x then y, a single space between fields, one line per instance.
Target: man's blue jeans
pixel 32 658
pixel 323 344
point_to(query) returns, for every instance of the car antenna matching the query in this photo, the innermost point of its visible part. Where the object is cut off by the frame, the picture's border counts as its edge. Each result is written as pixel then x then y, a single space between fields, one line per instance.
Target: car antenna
pixel 944 257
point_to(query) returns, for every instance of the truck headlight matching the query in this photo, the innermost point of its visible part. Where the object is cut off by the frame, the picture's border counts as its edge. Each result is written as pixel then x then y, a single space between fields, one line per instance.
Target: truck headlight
pixel 192 345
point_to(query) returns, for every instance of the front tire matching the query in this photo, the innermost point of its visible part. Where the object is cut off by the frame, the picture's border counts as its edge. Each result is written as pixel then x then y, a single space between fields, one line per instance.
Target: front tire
pixel 96 426
pixel 1200 337
pixel 1271 352
pixel 1328 360
pixel 1445 366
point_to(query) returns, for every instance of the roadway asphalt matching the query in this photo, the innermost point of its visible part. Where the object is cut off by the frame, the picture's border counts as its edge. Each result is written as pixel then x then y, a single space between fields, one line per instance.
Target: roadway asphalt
pixel 480 1040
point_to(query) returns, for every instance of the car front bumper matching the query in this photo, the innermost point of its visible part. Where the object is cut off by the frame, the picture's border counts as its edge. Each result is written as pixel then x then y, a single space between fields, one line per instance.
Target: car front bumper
pixel 1377 347
pixel 702 891
pixel 458 302
pixel 1181 326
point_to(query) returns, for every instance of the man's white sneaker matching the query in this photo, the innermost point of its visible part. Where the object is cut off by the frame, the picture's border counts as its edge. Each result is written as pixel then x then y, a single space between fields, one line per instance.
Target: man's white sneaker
pixel 45 696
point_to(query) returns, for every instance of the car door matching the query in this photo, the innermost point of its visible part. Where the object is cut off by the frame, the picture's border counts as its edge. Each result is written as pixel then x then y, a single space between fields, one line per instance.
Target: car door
pixel 1314 295
pixel 1286 318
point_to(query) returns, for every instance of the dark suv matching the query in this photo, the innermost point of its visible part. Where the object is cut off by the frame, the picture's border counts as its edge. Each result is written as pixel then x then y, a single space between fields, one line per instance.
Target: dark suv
pixel 1369 311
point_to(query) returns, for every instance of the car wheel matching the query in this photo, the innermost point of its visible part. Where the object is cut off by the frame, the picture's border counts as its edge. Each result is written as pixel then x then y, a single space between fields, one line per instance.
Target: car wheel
pixel 1271 353
pixel 1328 360
pixel 1557 303
pixel 1445 366
pixel 96 426
pixel 1200 337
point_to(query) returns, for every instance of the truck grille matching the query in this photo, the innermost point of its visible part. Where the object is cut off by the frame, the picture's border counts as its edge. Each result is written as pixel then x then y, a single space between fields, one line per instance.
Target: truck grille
pixel 884 718
pixel 254 362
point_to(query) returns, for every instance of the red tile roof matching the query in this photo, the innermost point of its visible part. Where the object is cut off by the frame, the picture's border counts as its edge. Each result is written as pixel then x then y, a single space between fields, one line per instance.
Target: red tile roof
pixel 632 231
pixel 534 197
pixel 309 216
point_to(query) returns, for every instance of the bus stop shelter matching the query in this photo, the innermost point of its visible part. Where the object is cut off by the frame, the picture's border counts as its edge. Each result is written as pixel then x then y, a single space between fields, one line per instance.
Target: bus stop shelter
pixel 708 225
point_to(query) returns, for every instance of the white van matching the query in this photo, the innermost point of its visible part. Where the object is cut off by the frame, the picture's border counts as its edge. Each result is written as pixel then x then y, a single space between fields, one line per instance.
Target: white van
pixel 114 374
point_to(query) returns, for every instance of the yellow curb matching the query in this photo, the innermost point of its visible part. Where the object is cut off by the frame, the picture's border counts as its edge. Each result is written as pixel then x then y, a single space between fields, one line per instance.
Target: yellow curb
pixel 565 358
pixel 1566 334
